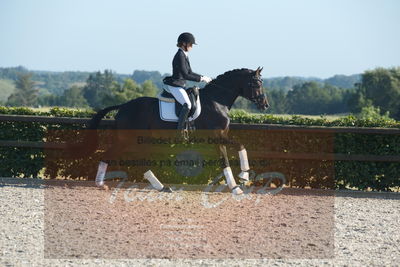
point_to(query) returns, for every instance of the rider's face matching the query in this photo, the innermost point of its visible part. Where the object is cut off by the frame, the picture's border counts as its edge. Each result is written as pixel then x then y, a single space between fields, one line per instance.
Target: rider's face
pixel 187 46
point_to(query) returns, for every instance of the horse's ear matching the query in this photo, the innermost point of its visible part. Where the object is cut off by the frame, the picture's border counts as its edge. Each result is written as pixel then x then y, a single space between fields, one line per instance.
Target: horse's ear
pixel 258 71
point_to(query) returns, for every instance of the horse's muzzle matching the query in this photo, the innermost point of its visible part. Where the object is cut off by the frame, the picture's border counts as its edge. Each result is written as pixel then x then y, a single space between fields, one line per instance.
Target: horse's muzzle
pixel 261 101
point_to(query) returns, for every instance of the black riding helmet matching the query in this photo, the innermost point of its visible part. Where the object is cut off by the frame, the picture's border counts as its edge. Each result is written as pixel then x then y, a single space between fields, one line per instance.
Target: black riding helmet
pixel 186 37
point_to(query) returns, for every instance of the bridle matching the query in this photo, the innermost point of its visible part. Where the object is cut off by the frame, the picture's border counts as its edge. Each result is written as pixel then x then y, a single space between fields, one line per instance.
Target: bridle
pixel 255 98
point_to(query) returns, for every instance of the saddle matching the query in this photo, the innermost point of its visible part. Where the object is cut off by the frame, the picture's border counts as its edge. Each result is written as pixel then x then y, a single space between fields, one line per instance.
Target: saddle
pixel 193 93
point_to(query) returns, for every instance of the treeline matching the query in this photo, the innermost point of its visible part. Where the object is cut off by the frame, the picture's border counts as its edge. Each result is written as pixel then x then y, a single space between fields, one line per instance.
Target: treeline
pixel 376 90
pixel 373 90
pixel 57 82
pixel 309 98
pixel 287 83
pixel 99 90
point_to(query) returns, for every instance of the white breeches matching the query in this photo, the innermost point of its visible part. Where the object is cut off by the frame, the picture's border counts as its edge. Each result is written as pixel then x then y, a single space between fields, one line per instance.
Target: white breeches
pixel 180 95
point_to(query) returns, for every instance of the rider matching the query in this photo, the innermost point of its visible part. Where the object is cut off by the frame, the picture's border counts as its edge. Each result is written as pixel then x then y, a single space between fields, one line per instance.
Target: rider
pixel 181 71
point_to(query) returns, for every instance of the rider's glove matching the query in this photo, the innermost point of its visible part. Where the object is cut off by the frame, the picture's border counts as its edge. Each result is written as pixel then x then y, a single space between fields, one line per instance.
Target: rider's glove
pixel 205 79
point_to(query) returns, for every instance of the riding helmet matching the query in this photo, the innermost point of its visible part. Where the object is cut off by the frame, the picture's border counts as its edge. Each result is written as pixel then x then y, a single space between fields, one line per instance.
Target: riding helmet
pixel 186 37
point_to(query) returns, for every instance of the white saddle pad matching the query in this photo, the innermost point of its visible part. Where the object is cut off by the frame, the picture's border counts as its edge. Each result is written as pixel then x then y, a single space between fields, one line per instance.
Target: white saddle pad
pixel 167 111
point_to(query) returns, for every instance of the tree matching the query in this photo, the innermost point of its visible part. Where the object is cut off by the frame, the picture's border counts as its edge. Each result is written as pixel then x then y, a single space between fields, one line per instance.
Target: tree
pixel 344 81
pixel 25 92
pixel 338 98
pixel 314 98
pixel 141 76
pixel 358 100
pixel 128 91
pixel 149 89
pixel 12 73
pixel 49 100
pixel 372 113
pixel 278 102
pixel 382 87
pixel 97 87
pixel 308 98
pixel 73 97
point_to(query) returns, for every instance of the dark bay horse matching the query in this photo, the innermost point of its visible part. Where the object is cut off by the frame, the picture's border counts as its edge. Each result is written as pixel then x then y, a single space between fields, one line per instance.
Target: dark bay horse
pixel 217 98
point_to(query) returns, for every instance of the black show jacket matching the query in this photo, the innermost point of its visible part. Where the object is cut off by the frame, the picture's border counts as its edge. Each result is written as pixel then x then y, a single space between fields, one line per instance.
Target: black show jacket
pixel 181 71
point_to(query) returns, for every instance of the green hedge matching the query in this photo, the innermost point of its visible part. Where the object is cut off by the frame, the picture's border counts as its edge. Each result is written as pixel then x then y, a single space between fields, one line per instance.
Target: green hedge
pixel 382 176
pixel 28 162
pixel 240 116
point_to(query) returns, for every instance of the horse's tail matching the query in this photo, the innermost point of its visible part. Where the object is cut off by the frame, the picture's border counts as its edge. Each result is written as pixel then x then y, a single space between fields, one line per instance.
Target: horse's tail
pixel 90 141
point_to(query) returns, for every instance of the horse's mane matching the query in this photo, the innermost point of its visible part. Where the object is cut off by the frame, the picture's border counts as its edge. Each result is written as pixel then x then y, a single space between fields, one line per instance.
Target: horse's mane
pixel 229 73
pixel 223 78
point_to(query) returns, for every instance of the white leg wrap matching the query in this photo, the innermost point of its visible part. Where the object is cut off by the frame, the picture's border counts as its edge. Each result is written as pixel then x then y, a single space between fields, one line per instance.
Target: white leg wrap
pixel 230 180
pixel 244 165
pixel 101 173
pixel 149 175
pixel 244 161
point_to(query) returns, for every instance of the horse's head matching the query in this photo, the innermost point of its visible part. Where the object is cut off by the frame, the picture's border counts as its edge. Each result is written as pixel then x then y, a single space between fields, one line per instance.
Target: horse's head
pixel 252 89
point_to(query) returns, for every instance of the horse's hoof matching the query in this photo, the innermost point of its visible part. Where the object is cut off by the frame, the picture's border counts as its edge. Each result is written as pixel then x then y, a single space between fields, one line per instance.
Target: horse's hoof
pixel 237 191
pixel 166 189
pixel 244 176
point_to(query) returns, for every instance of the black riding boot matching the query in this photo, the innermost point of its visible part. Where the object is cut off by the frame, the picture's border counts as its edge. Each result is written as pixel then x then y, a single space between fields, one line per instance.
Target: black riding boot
pixel 183 115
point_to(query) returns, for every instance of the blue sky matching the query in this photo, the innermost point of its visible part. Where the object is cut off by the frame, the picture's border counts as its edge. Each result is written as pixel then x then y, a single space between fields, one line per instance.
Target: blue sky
pixel 287 37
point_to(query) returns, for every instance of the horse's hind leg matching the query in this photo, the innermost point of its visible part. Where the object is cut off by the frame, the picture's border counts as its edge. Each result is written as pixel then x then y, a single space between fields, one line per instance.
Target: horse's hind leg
pixel 149 175
pixel 101 173
pixel 118 147
pixel 103 165
pixel 124 141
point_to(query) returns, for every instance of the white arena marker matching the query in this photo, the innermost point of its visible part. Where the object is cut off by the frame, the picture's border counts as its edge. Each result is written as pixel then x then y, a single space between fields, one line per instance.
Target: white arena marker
pixel 149 175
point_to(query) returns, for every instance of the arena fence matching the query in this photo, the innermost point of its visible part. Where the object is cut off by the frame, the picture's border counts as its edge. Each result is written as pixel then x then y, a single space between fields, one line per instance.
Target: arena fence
pixel 351 153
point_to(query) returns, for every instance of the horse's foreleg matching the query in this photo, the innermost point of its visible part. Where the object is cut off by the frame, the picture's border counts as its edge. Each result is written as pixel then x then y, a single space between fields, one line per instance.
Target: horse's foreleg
pixel 230 180
pixel 244 164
